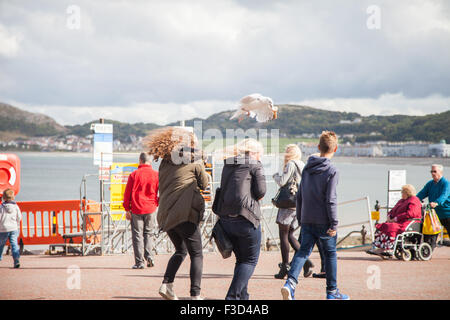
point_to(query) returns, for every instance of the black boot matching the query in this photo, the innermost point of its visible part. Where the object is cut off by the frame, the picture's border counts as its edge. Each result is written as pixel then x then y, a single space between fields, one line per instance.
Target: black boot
pixel 307 268
pixel 284 269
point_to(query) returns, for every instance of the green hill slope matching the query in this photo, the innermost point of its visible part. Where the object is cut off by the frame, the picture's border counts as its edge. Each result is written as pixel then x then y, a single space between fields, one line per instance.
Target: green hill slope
pixel 15 122
pixel 293 121
pixel 297 120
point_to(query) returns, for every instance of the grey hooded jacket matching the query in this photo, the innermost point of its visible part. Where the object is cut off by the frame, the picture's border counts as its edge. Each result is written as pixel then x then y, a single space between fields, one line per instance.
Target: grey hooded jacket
pixel 10 217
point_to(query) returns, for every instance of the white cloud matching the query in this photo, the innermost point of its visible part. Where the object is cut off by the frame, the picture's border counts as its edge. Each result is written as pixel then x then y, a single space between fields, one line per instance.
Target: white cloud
pixel 386 104
pixel 159 113
pixel 9 43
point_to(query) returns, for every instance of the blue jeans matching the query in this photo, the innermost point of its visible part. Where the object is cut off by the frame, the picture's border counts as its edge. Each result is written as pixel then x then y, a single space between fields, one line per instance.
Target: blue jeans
pixel 246 241
pixel 309 235
pixel 12 236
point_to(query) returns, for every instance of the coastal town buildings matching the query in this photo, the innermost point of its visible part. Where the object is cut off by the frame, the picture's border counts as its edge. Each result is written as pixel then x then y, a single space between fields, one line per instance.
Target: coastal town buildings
pixel 73 143
pixel 385 149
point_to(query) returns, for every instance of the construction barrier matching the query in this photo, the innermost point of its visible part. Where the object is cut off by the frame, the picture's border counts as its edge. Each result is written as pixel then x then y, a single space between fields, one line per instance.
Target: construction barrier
pixel 46 222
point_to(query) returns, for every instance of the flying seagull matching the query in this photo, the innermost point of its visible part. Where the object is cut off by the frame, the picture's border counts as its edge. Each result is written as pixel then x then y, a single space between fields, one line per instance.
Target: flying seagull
pixel 256 105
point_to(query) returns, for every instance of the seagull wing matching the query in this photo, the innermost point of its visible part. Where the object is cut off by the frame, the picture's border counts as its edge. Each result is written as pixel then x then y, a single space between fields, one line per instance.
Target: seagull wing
pixel 255 105
pixel 250 99
pixel 238 113
pixel 264 113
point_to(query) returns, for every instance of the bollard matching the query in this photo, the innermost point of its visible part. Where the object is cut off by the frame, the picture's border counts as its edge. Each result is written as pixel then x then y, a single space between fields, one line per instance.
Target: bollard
pixel 363 234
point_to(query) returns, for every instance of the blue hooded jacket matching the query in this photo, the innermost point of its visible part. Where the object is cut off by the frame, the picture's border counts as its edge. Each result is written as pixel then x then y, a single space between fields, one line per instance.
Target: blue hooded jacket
pixel 316 196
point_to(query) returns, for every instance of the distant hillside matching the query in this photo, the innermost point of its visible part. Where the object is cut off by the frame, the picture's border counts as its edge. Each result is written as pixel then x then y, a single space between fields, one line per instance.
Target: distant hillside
pixel 121 130
pixel 296 120
pixel 15 122
pixel 293 121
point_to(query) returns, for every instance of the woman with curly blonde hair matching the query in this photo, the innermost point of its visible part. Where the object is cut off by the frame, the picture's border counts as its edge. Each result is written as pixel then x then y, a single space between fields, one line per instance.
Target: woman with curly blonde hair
pixel 181 206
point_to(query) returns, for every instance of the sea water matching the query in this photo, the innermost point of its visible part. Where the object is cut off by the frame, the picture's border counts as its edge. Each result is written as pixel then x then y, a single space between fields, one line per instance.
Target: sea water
pixel 58 176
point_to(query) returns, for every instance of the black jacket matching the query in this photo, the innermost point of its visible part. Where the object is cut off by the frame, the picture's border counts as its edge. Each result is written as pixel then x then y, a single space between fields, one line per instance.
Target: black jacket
pixel 242 184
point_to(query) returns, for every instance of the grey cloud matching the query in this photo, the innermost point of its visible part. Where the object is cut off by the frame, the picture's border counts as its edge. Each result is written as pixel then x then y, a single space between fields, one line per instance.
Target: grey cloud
pixel 176 52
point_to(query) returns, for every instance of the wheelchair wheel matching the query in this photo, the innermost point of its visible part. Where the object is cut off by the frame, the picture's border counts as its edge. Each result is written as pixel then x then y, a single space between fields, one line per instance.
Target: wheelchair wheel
pixel 425 251
pixel 406 255
pixel 398 253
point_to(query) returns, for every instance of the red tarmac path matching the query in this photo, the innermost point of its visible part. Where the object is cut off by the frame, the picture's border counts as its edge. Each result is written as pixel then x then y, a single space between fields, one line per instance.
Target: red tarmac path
pixel 111 277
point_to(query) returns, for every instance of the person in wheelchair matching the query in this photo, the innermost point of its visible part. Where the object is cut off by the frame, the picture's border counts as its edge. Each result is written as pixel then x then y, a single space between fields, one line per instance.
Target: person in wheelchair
pixel 407 208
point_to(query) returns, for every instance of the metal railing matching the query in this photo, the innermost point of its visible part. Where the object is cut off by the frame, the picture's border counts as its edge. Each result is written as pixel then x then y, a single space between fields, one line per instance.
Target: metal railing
pixel 104 235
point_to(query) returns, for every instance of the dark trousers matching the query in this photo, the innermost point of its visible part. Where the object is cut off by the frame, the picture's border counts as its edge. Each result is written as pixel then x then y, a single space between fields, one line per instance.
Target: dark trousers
pixel 431 239
pixel 446 223
pixel 141 227
pixel 187 239
pixel 246 241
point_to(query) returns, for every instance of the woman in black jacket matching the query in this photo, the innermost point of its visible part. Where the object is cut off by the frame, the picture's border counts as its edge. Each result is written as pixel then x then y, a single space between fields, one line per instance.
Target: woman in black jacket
pixel 243 185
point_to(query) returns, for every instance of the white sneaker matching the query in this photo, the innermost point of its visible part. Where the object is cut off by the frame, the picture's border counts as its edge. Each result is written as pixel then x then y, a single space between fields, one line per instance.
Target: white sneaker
pixel 197 298
pixel 166 291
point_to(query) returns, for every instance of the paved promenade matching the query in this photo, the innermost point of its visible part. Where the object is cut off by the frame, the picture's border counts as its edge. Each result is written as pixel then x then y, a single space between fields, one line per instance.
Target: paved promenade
pixel 111 277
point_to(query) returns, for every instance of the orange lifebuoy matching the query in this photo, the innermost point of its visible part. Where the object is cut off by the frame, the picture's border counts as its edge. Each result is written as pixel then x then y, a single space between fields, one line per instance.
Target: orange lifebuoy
pixel 9 172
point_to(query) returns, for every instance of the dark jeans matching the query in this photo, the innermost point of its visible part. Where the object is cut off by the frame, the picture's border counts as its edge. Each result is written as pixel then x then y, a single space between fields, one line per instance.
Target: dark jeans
pixel 431 239
pixel 187 239
pixel 319 247
pixel 246 241
pixel 322 256
pixel 312 233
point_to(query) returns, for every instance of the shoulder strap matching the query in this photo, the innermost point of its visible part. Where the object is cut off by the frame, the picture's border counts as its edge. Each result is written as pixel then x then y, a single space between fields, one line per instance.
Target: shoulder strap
pixel 295 172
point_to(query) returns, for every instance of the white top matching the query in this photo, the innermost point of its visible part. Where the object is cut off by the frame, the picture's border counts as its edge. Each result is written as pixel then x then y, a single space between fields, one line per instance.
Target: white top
pixel 10 217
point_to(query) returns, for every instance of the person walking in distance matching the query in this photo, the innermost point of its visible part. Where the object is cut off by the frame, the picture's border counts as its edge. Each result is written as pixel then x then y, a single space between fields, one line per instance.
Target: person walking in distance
pixel 140 201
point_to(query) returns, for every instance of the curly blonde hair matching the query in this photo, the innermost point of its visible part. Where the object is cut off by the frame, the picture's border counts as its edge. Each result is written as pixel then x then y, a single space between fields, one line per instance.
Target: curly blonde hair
pixel 162 142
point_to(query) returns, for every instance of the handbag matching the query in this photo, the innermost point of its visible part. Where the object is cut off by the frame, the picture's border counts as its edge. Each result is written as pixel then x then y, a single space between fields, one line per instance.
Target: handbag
pixel 286 197
pixel 217 203
pixel 219 235
pixel 431 223
pixel 222 240
pixel 215 206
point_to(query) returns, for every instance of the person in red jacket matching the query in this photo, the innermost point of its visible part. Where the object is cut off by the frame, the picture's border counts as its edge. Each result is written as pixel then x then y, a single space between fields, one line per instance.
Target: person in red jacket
pixel 407 208
pixel 140 200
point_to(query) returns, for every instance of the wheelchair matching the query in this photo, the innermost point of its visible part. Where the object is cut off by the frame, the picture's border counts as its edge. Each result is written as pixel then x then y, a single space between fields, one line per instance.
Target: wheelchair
pixel 410 244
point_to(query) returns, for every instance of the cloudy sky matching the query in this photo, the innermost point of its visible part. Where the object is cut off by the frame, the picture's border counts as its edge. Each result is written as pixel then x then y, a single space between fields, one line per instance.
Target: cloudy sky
pixel 161 61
